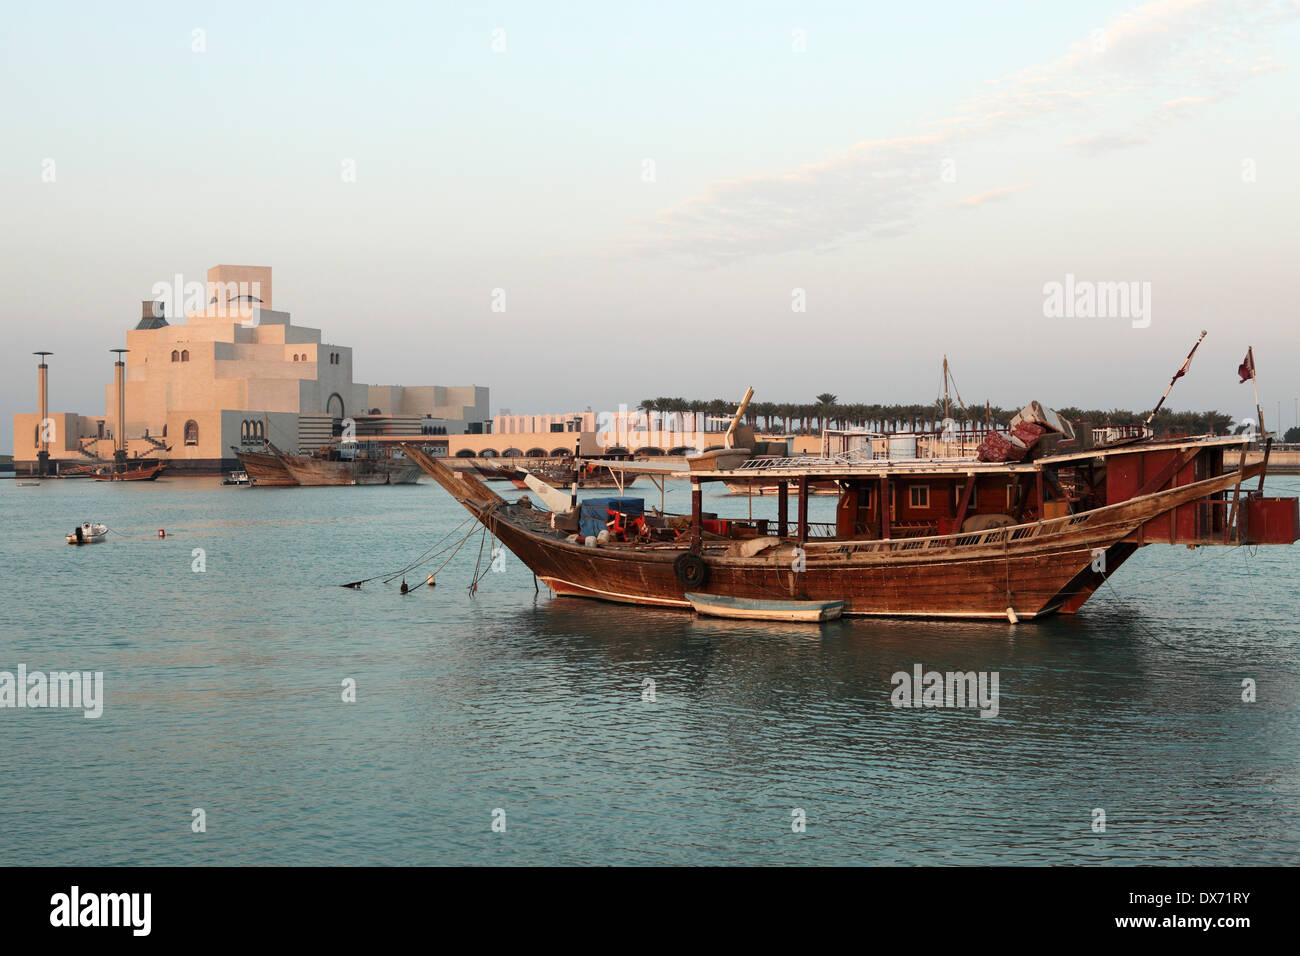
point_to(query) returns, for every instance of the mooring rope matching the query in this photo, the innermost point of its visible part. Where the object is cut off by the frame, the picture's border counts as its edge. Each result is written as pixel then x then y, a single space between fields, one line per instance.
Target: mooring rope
pixel 429 554
pixel 473 584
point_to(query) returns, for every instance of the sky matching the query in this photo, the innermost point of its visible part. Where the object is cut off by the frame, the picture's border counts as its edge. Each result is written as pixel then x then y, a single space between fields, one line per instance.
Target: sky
pixel 673 199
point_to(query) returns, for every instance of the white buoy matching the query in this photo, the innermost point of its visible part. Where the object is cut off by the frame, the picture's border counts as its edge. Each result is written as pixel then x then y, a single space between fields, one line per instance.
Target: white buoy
pixel 1011 616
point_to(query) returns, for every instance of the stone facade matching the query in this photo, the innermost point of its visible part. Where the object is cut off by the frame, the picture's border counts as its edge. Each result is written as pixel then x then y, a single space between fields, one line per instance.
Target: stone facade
pixel 237 371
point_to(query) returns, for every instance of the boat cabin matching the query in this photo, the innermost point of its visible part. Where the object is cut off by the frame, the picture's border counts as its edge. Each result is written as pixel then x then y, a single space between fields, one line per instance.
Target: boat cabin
pixel 884 499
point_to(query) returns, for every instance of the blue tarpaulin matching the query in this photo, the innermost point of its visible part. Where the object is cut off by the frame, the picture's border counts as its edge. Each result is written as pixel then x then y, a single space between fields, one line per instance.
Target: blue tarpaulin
pixel 594 512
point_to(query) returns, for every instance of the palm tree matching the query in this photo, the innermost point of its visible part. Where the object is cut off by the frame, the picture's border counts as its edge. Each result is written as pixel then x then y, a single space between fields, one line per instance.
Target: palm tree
pixel 825 405
pixel 697 409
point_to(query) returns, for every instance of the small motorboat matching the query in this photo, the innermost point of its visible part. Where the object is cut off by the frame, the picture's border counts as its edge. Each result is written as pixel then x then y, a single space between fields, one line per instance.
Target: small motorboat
pixel 28 484
pixel 750 609
pixel 88 534
pixel 236 478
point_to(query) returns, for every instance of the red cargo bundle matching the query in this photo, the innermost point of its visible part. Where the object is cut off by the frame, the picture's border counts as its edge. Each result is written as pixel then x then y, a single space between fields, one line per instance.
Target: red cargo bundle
pixel 999 447
pixel 1028 433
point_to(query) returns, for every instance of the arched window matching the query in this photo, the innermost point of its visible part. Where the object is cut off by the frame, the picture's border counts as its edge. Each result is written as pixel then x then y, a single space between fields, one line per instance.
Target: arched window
pixel 243 430
pixel 334 405
pixel 191 432
pixel 176 356
pixel 185 355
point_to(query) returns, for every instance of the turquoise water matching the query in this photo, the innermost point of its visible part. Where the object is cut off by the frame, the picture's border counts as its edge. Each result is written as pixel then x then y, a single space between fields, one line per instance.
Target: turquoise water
pixel 223 692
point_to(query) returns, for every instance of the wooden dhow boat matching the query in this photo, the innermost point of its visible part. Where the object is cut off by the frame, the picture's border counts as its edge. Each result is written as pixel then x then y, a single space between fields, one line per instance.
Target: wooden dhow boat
pixel 361 462
pixel 265 468
pixel 959 538
pixel 140 471
pixel 494 472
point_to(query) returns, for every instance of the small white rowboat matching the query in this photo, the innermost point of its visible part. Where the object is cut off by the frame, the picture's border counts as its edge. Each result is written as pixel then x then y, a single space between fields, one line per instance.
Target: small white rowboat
pixel 717 605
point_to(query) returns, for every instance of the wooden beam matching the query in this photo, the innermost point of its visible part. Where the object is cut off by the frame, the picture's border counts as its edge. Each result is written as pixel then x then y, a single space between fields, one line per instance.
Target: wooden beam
pixel 884 506
pixel 1022 496
pixel 782 507
pixel 697 522
pixel 1171 470
pixel 1268 447
pixel 966 492
pixel 1055 482
pixel 803 508
pixel 1236 493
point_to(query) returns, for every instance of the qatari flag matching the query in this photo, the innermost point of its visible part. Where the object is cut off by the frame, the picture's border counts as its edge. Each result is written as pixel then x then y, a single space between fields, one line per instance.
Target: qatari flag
pixel 1247 368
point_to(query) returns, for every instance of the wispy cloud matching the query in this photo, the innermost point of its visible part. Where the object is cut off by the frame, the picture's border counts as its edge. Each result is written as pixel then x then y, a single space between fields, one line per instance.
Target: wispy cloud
pixel 989 195
pixel 1202 49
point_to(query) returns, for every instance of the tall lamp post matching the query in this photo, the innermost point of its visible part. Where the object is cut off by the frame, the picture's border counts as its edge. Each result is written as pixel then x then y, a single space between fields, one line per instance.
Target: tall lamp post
pixel 43 404
pixel 119 426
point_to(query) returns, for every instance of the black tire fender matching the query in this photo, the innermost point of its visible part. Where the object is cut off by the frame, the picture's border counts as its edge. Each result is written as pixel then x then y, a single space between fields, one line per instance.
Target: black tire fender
pixel 691 570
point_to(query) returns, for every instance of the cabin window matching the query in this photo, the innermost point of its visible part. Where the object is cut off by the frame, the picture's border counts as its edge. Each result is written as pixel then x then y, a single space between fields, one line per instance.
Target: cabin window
pixel 176 356
pixel 1011 495
pixel 191 432
pixel 919 496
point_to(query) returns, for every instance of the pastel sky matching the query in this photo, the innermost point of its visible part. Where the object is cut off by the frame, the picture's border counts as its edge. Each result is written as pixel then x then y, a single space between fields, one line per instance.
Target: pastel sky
pixel 921 171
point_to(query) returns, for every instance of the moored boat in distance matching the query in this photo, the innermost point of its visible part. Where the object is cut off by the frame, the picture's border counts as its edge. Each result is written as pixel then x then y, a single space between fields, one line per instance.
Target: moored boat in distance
pixel 589 476
pixel 368 461
pixel 1025 528
pixel 494 472
pixel 265 468
pixel 88 533
pixel 736 487
pixel 125 472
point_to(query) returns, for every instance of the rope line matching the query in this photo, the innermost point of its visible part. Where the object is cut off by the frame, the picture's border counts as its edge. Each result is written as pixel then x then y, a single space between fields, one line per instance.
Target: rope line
pixel 429 555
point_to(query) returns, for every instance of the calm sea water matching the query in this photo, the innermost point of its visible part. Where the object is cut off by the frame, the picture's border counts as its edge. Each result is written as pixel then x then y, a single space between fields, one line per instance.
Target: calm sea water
pixel 223 692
